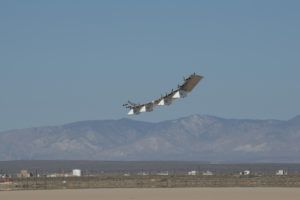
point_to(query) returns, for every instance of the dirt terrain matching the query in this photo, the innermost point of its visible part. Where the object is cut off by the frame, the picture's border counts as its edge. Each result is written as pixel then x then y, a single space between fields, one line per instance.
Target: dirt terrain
pixel 158 193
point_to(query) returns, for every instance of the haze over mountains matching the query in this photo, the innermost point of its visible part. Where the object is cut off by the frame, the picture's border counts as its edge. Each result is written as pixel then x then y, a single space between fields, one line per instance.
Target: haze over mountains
pixel 195 138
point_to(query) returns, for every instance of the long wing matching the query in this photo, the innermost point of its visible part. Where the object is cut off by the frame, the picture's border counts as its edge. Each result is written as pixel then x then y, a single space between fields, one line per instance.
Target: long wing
pixel 190 82
pixel 186 87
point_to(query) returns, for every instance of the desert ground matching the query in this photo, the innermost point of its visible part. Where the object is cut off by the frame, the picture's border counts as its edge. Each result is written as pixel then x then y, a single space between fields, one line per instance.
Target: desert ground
pixel 158 193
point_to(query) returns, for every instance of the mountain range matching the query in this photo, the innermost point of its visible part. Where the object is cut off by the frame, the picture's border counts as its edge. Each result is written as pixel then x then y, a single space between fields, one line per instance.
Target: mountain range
pixel 193 138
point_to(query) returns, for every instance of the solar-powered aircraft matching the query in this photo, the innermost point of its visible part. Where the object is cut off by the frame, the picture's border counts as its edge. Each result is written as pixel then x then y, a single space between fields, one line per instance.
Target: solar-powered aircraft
pixel 181 92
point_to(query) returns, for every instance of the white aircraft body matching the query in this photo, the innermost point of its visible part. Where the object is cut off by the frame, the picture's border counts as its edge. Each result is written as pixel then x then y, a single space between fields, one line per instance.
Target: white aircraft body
pixel 181 92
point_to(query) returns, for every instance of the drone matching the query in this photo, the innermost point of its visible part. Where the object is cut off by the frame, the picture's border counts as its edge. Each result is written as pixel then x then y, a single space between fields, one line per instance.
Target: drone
pixel 181 92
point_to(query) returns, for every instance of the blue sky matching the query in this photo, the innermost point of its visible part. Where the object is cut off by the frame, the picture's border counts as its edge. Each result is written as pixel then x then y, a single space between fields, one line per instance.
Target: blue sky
pixel 65 61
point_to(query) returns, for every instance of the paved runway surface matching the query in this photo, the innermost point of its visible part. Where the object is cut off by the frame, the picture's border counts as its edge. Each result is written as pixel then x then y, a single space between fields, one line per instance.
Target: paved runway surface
pixel 158 193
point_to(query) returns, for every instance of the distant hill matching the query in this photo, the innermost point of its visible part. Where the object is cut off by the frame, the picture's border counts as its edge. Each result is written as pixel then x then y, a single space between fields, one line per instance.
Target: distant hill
pixel 197 137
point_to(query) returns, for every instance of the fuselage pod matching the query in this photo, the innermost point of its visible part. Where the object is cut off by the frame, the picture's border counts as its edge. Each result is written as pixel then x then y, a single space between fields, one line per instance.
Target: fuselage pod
pixel 147 107
pixel 179 94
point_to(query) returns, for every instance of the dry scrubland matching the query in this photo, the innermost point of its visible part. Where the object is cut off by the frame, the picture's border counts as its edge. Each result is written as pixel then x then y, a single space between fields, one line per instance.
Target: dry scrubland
pixel 152 181
pixel 158 193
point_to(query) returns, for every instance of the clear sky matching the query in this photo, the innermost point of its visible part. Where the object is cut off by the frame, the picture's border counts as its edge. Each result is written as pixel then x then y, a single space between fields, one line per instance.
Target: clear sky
pixel 65 61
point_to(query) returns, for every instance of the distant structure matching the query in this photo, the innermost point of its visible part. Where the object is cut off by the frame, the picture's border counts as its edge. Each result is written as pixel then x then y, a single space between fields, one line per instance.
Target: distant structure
pixel 143 174
pixel 4 176
pixel 207 173
pixel 181 92
pixel 163 173
pixel 76 172
pixel 281 172
pixel 55 175
pixel 23 174
pixel 246 172
pixel 192 173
